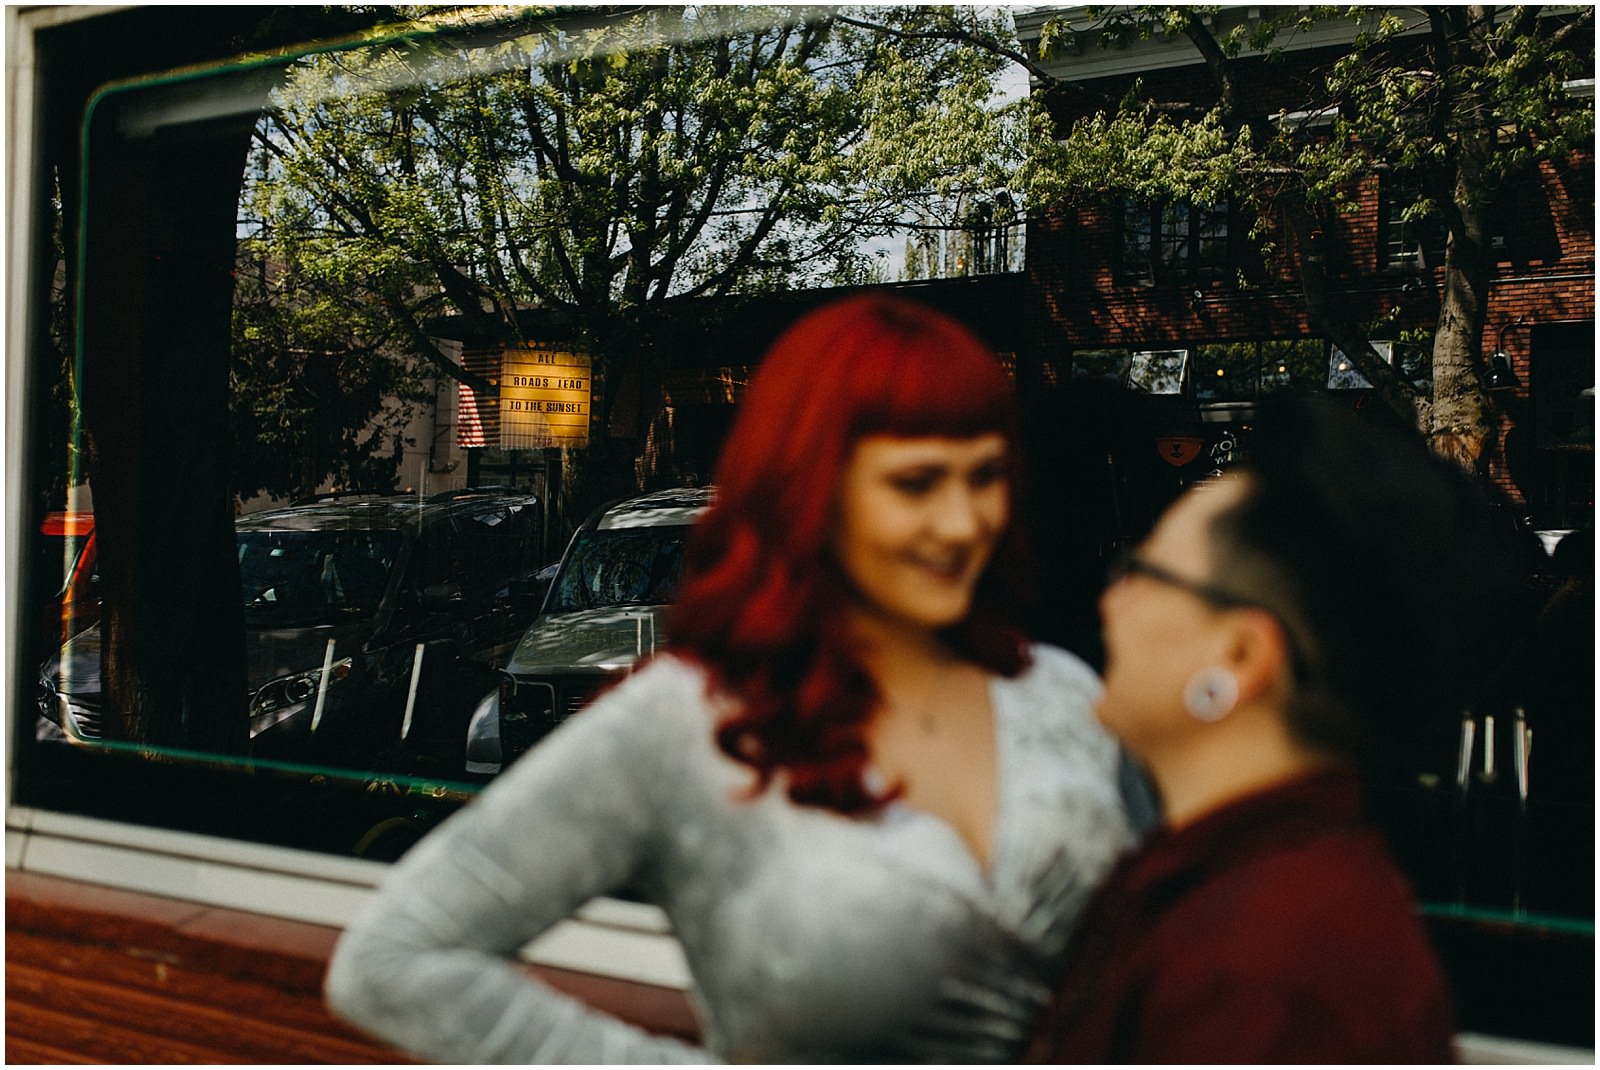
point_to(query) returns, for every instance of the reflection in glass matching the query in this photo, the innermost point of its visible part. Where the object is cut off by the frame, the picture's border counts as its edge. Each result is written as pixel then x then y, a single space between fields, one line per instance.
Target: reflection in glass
pixel 1292 364
pixel 486 172
pixel 350 608
pixel 1343 373
pixel 620 567
pixel 1110 365
pixel 313 576
pixel 1225 371
pixel 1158 371
pixel 520 165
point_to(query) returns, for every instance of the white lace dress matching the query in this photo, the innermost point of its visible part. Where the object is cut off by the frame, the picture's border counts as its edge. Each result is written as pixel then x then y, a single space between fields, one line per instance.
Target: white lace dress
pixel 810 936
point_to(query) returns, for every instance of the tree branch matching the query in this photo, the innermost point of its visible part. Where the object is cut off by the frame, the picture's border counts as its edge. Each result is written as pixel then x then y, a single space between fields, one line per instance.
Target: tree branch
pixel 1205 43
pixel 956 35
pixel 406 318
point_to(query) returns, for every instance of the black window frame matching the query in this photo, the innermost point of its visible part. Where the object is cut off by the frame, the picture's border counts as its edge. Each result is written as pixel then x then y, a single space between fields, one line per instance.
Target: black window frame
pixel 1188 371
pixel 1173 240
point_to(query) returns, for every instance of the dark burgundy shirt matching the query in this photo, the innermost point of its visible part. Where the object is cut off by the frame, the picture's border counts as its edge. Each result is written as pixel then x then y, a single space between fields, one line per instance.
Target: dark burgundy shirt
pixel 1276 929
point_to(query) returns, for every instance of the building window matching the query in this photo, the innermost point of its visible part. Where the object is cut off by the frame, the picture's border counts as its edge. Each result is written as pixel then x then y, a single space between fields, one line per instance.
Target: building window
pixel 1413 360
pixel 305 675
pixel 1146 371
pixel 1407 244
pixel 1158 371
pixel 993 225
pixel 1343 373
pixel 1244 371
pixel 1172 241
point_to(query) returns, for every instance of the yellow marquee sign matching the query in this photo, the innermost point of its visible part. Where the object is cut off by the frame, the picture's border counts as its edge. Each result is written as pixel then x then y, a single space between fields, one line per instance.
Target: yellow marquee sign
pixel 545 398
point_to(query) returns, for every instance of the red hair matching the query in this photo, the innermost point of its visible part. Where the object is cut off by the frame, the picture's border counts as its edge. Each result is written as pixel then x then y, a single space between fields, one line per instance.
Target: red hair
pixel 761 602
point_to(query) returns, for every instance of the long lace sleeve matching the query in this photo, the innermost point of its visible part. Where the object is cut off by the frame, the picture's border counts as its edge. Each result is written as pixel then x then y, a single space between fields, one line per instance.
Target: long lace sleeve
pixel 431 965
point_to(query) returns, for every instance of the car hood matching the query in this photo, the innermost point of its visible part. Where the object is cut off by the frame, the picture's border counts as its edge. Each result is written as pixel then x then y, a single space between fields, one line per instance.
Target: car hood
pixel 270 653
pixel 75 669
pixel 275 652
pixel 611 637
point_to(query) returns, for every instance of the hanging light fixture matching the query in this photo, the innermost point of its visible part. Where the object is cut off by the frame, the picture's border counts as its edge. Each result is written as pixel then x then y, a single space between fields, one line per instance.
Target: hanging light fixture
pixel 1499 375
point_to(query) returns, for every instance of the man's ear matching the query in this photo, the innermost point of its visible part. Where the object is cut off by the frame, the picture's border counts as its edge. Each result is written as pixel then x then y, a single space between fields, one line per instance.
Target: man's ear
pixel 1258 654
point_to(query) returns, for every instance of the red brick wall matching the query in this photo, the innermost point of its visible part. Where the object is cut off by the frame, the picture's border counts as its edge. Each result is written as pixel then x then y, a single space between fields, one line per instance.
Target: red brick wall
pixel 1075 299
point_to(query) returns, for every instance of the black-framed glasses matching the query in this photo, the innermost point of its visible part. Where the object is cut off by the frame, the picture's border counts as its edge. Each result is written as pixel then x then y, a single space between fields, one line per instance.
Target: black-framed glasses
pixel 1128 563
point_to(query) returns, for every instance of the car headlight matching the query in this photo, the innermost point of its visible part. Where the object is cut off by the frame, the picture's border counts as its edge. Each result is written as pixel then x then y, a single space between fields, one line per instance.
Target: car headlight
pixel 52 714
pixel 483 736
pixel 296 690
pixel 62 717
pixel 46 695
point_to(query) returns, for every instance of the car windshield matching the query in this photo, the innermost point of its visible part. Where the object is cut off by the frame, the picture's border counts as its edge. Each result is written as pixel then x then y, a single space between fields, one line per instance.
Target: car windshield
pixel 314 574
pixel 626 566
pixel 58 555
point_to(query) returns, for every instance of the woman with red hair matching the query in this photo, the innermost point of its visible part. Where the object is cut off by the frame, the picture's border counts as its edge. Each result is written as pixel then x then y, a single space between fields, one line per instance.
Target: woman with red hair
pixel 869 807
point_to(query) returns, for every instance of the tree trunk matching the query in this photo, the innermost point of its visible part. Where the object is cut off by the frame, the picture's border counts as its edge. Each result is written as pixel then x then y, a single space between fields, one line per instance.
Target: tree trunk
pixel 157 301
pixel 627 396
pixel 1462 419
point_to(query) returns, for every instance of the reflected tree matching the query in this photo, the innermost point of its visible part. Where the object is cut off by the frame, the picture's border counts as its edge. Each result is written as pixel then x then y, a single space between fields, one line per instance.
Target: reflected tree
pixel 605 162
pixel 322 386
pixel 1453 104
pixel 597 164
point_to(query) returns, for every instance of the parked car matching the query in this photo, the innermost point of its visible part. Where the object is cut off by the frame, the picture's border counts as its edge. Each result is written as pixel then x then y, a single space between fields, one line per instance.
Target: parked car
pixel 371 622
pixel 602 615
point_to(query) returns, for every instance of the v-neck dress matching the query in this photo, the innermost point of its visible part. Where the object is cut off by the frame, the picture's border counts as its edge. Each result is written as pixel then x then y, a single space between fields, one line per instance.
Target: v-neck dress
pixel 810 936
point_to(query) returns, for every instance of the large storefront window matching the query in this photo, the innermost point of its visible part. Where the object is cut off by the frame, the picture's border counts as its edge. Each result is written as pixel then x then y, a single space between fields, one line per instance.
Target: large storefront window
pixel 315 293
pixel 322 323
pixel 1244 371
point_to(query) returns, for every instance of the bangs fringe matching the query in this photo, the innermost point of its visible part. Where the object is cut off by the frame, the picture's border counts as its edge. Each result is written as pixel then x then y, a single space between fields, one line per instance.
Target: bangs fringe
pixel 945 383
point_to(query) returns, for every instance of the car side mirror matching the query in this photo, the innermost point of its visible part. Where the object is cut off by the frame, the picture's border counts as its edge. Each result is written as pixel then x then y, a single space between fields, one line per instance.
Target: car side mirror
pixel 441 597
pixel 528 592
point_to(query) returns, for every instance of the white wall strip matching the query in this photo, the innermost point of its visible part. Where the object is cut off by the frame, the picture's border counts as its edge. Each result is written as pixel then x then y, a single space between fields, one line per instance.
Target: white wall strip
pixel 611 938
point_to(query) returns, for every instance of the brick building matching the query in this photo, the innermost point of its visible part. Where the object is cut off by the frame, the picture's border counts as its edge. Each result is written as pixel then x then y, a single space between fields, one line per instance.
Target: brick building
pixel 1175 301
